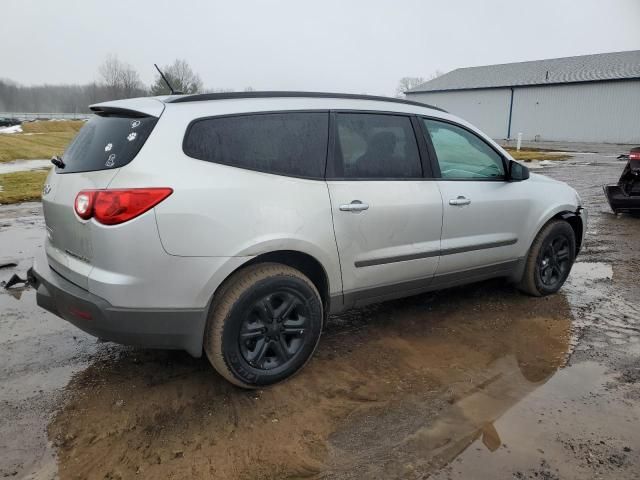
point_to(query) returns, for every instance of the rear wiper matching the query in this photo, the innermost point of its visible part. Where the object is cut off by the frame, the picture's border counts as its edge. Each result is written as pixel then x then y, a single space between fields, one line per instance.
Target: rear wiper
pixel 57 161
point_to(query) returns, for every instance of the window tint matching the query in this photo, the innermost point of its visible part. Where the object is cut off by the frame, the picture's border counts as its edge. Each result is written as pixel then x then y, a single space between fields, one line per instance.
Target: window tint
pixel 106 142
pixel 375 146
pixel 282 143
pixel 461 154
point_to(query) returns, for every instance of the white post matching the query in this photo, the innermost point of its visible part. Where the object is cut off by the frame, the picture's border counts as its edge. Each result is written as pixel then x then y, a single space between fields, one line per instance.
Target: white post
pixel 519 142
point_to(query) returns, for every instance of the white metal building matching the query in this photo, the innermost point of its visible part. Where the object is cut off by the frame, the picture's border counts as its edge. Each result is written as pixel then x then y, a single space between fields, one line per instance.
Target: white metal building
pixel 590 98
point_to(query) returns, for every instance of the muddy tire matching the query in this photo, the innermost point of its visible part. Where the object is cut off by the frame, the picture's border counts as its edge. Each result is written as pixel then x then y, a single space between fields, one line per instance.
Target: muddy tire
pixel 264 325
pixel 549 260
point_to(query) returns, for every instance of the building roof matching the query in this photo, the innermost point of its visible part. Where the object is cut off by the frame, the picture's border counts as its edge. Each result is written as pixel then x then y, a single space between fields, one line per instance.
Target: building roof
pixel 584 68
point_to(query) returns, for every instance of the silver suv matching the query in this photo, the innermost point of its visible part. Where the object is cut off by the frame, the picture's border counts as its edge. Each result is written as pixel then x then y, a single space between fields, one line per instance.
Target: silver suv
pixel 235 223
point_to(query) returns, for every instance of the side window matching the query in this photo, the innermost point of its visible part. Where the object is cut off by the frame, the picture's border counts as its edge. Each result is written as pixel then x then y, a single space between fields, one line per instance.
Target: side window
pixel 461 154
pixel 375 146
pixel 282 143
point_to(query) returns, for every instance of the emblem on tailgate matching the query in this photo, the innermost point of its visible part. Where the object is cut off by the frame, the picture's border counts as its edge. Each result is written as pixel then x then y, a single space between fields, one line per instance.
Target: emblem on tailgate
pixel 46 189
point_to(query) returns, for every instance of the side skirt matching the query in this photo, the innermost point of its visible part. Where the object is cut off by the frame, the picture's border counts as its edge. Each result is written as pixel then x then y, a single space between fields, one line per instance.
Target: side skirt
pixel 360 298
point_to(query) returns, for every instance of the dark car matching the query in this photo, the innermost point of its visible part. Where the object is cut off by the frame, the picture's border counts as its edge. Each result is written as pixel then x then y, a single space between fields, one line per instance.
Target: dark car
pixel 624 197
pixel 9 122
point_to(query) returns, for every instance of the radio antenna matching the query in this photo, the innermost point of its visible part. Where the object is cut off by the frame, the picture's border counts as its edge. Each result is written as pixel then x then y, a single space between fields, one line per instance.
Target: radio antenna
pixel 173 92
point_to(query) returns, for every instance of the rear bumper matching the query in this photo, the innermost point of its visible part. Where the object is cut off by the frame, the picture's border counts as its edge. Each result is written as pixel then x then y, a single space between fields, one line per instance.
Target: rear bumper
pixel 619 202
pixel 156 328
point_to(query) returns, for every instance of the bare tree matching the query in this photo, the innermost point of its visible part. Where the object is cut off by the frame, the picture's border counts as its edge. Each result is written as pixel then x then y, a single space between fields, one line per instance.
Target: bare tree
pixel 407 83
pixel 130 82
pixel 181 76
pixel 121 80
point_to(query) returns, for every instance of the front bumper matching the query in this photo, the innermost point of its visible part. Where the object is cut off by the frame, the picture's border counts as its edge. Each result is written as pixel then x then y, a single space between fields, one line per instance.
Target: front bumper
pixel 181 329
pixel 584 216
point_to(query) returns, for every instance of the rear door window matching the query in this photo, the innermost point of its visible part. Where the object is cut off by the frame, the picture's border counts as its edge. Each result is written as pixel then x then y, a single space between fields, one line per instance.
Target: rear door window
pixel 286 143
pixel 375 146
pixel 106 142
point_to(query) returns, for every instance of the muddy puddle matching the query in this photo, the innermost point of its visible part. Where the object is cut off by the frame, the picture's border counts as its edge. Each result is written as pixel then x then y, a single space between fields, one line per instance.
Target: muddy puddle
pixel 402 387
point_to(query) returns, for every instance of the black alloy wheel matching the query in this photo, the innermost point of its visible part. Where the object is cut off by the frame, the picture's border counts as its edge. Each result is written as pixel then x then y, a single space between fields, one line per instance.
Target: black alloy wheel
pixel 555 261
pixel 264 325
pixel 273 331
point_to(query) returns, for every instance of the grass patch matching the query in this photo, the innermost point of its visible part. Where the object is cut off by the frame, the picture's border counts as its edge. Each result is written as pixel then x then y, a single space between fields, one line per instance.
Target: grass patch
pixel 22 186
pixel 38 140
pixel 534 154
pixel 53 126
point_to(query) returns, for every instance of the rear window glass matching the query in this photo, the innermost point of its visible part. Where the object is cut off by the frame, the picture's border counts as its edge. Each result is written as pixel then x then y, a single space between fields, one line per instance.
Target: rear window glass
pixel 281 143
pixel 375 146
pixel 106 142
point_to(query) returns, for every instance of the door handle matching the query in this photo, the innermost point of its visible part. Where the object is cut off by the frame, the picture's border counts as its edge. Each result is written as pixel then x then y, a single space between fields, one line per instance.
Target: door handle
pixel 354 206
pixel 460 201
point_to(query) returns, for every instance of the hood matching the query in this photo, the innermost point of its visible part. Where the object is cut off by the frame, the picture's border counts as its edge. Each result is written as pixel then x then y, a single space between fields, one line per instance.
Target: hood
pixel 536 177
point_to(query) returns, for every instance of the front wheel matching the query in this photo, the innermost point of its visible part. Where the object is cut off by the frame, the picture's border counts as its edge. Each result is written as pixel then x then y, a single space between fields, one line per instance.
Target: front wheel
pixel 264 325
pixel 549 260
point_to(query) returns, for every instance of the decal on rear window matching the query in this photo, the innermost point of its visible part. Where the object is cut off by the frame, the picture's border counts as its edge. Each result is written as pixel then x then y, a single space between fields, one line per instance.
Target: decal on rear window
pixel 101 143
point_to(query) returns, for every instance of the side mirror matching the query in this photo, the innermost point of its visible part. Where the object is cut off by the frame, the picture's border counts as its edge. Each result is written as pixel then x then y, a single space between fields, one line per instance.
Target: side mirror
pixel 517 171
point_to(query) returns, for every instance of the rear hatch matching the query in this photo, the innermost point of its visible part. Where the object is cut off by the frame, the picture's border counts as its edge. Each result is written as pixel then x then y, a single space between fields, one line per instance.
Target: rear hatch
pixel 109 141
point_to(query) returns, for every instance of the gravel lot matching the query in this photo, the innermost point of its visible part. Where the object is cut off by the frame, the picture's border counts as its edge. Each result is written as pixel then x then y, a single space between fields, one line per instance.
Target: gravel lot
pixel 474 382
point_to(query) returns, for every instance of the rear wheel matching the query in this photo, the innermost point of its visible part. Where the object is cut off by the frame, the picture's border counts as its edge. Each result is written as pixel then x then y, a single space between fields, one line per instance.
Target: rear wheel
pixel 264 325
pixel 550 259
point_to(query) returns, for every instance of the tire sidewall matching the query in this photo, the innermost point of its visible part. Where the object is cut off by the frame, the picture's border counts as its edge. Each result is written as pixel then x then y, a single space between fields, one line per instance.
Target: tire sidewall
pixel 555 231
pixel 231 352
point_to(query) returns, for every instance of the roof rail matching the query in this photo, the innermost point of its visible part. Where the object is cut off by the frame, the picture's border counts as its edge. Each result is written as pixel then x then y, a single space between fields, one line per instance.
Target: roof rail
pixel 201 97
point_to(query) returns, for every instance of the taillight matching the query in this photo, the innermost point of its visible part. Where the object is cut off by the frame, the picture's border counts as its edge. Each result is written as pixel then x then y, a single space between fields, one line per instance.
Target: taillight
pixel 634 156
pixel 111 207
pixel 84 204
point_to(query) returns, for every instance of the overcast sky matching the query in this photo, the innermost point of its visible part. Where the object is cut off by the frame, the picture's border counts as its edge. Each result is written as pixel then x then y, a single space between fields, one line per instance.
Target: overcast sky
pixel 360 46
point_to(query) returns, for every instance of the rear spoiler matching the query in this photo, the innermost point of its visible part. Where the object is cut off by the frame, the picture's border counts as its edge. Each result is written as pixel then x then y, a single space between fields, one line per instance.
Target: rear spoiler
pixel 131 107
pixel 119 112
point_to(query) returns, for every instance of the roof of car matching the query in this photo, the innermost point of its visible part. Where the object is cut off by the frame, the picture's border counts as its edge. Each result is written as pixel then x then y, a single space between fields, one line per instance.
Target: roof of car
pixel 288 94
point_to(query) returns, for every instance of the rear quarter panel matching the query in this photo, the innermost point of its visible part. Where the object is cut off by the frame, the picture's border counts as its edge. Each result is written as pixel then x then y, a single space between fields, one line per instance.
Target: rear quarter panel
pixel 221 211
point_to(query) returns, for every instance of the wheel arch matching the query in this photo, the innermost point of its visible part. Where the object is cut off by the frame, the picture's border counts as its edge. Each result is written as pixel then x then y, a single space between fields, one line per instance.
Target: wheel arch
pixel 305 263
pixel 309 265
pixel 575 220
pixel 572 218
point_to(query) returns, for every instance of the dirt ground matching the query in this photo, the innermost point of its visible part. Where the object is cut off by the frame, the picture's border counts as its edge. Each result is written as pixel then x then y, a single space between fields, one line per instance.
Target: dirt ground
pixel 474 382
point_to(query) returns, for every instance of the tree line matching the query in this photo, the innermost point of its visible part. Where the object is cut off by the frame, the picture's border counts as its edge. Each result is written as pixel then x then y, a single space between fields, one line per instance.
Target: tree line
pixel 407 83
pixel 117 80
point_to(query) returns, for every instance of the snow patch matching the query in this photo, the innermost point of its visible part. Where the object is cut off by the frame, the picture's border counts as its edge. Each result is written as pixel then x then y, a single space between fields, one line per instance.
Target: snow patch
pixel 23 165
pixel 13 129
